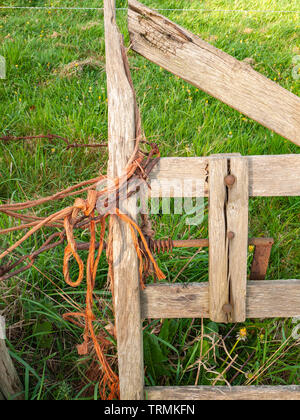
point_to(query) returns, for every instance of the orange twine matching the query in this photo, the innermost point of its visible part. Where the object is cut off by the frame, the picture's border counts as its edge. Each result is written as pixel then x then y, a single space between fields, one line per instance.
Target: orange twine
pixel 110 379
pixel 69 217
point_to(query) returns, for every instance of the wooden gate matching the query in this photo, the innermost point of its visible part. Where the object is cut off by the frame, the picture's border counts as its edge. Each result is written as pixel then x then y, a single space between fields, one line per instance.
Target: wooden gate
pixel 228 181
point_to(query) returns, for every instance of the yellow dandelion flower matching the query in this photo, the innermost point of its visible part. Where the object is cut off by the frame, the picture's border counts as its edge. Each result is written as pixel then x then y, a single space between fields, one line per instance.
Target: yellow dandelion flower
pixel 242 334
pixel 251 248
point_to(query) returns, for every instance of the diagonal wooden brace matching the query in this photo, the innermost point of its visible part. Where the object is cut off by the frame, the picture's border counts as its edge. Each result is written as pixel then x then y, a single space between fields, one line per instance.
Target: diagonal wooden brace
pixel 228 238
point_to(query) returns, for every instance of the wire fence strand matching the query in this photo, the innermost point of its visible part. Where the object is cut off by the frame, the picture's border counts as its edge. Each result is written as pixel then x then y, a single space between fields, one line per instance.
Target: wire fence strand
pixel 157 9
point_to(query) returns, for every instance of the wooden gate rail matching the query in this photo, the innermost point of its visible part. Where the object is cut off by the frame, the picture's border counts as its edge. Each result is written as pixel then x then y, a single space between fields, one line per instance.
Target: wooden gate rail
pixel 269 175
pixel 223 393
pixel 231 81
pixel 265 299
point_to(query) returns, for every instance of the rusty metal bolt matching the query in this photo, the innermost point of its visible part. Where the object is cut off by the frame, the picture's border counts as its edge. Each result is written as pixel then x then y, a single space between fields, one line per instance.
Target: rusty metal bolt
pixel 229 180
pixel 227 308
pixel 230 235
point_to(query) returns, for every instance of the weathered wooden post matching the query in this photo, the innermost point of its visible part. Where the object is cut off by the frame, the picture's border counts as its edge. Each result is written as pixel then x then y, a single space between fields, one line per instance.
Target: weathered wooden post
pixel 121 143
pixel 10 384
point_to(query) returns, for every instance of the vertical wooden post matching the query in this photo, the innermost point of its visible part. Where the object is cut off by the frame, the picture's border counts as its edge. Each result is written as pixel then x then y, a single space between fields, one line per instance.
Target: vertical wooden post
pixel 228 237
pixel 10 384
pixel 121 141
pixel 218 243
pixel 237 224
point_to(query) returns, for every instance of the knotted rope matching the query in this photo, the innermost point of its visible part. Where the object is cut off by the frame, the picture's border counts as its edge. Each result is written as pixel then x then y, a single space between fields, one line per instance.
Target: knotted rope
pixel 82 214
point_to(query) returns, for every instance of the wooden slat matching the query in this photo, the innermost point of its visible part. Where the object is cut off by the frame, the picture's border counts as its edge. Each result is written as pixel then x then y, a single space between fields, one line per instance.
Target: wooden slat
pixel 274 175
pixel 218 250
pixel 269 176
pixel 265 299
pixel 237 223
pixel 203 393
pixel 121 135
pixel 212 70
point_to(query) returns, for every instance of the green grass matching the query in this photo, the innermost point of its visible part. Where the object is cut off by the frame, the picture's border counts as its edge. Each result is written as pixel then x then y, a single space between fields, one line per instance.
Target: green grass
pixel 42 95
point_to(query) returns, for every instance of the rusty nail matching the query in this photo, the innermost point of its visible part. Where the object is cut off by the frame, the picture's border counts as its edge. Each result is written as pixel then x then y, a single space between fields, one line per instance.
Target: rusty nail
pixel 229 180
pixel 227 308
pixel 230 235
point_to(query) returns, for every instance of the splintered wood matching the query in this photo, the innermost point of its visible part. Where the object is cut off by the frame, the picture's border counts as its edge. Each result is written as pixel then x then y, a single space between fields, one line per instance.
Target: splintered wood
pixel 234 82
pixel 218 251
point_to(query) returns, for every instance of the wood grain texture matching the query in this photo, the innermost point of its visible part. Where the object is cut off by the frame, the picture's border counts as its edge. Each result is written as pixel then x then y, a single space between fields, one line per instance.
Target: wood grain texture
pixel 121 141
pixel 237 222
pixel 265 299
pixel 233 82
pixel 277 175
pixel 291 392
pixel 10 384
pixel 218 243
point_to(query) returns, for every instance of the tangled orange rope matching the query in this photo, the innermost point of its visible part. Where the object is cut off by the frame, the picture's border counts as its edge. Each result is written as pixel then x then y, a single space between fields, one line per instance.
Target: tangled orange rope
pixel 68 217
pixel 88 207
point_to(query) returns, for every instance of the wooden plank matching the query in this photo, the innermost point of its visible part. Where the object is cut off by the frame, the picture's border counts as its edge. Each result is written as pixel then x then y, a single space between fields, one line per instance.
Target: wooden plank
pixel 265 299
pixel 237 223
pixel 233 82
pixel 170 176
pixel 291 392
pixel 121 135
pixel 10 384
pixel 218 249
pixel 277 175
